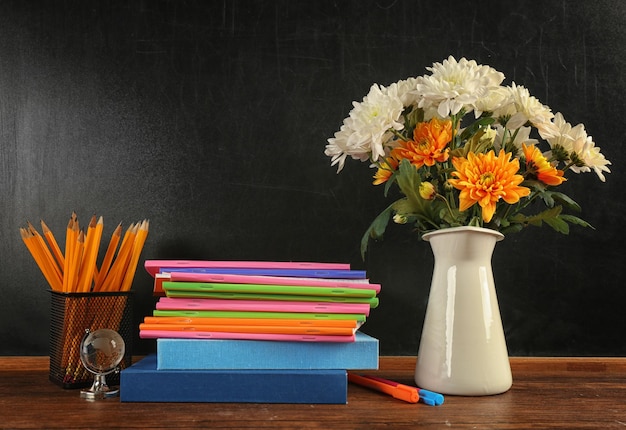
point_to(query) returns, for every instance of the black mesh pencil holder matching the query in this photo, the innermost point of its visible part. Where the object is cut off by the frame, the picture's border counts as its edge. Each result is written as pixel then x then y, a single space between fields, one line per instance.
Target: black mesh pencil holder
pixel 71 314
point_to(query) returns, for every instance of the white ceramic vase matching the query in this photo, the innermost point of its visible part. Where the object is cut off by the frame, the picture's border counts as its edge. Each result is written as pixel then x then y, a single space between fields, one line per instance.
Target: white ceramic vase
pixel 463 349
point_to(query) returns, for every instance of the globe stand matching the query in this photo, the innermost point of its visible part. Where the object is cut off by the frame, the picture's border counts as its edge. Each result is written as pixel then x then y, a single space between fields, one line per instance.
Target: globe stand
pixel 101 352
pixel 99 390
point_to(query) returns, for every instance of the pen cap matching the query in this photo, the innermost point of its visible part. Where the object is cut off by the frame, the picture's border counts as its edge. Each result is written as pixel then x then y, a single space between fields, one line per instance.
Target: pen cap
pixel 431 398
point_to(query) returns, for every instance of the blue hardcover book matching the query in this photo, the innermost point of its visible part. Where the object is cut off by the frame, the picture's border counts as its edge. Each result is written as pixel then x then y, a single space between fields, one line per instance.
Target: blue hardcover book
pixel 216 354
pixel 142 382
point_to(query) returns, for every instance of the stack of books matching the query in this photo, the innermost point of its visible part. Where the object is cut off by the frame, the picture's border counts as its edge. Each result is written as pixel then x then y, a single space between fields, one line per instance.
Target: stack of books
pixel 263 332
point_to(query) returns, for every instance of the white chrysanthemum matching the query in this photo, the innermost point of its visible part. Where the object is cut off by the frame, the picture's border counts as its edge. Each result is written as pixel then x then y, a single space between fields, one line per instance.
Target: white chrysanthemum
pixel 337 147
pixel 454 85
pixel 575 140
pixel 495 99
pixel 527 109
pixel 521 136
pixel 365 132
pixel 567 137
pixel 404 90
pixel 372 119
pixel 595 159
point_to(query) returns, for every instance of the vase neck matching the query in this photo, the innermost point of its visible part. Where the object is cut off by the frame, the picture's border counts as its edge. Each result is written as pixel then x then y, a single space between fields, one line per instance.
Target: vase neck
pixel 464 244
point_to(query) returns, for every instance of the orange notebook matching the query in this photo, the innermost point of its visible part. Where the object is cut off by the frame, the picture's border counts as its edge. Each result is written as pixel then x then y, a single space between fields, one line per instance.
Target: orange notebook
pixel 270 329
pixel 195 321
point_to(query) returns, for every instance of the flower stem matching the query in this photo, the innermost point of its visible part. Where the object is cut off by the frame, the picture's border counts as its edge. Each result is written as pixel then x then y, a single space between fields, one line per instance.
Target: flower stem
pixel 439 196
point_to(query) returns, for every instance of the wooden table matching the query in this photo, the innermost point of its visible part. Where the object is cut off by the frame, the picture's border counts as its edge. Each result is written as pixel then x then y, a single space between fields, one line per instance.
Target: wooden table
pixel 567 393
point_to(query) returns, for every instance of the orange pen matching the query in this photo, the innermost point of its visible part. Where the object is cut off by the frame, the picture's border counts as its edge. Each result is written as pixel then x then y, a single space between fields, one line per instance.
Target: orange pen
pixel 394 389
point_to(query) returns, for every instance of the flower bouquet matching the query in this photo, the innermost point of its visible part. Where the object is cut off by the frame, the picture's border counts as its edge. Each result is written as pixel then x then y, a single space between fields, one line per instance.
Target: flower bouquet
pixel 465 150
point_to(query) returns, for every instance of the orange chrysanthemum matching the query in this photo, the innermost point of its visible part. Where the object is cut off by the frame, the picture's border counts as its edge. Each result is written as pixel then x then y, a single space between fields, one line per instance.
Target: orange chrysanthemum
pixel 385 170
pixel 538 166
pixel 428 145
pixel 485 179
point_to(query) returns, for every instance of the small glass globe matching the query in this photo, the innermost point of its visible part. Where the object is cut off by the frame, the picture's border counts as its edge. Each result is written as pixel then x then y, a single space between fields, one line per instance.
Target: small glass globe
pixel 101 352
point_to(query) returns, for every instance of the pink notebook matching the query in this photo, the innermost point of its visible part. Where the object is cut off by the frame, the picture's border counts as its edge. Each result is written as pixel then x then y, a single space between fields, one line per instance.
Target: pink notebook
pixel 162 334
pixel 172 303
pixel 153 266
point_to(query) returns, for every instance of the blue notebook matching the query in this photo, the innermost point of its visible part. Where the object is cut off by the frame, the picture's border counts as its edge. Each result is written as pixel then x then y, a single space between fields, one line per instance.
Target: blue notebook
pixel 298 273
pixel 142 382
pixel 216 354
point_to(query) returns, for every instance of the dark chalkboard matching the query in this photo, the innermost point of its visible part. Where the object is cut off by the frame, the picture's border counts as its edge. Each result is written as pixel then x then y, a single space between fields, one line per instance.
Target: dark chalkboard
pixel 210 118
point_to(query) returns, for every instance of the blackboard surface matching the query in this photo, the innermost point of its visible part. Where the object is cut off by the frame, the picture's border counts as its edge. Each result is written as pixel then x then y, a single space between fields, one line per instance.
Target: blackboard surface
pixel 210 119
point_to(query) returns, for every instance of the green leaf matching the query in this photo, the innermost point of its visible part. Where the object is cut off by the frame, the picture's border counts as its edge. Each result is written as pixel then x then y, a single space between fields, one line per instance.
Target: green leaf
pixel 576 221
pixel 566 200
pixel 389 183
pixel 409 181
pixel 512 228
pixel 550 198
pixel 538 186
pixel 473 128
pixel 547 199
pixel 408 178
pixel 539 218
pixel 376 229
pixel 552 216
pixel 413 117
pixel 404 207
pixel 558 224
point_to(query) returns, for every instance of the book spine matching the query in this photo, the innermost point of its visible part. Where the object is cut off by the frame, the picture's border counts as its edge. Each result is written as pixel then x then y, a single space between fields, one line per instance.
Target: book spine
pixel 153 266
pixel 143 383
pixel 190 354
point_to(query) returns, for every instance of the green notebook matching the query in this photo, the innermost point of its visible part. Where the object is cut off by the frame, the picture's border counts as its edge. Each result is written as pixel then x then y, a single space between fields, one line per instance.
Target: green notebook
pixel 372 301
pixel 216 287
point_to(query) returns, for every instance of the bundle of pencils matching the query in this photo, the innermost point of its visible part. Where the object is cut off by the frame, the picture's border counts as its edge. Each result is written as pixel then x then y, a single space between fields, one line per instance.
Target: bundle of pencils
pixel 76 270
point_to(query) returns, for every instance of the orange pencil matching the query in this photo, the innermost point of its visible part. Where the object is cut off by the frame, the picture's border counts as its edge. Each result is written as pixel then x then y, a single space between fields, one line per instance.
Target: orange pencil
pixel 76 269
pixel 77 255
pixel 108 257
pixel 29 241
pixel 69 252
pixel 88 263
pixel 44 251
pixel 53 244
pixel 115 275
pixel 139 241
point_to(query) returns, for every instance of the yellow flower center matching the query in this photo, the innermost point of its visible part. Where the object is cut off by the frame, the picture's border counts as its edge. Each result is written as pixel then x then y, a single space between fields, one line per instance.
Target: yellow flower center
pixel 487 179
